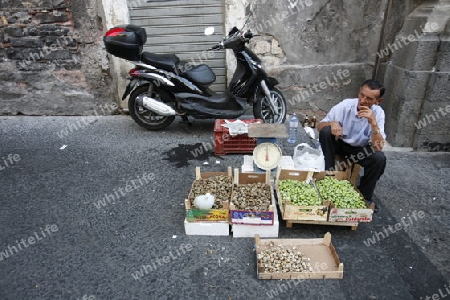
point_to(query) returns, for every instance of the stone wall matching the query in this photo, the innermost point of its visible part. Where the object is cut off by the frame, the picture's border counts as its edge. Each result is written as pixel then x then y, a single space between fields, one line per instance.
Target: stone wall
pixel 320 51
pixel 416 70
pixel 51 59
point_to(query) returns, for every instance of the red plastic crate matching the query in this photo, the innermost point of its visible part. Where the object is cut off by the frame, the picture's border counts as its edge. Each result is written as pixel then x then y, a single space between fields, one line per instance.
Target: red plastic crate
pixel 226 144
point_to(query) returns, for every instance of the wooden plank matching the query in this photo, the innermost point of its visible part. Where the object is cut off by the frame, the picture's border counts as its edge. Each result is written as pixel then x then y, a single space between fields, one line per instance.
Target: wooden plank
pixel 348 224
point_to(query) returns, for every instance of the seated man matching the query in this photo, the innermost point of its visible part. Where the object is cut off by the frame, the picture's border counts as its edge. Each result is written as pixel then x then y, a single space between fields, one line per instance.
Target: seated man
pixel 354 129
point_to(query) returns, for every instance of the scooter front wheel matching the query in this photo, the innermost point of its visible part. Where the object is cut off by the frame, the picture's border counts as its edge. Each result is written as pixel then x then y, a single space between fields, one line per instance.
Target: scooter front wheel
pixel 262 108
pixel 144 117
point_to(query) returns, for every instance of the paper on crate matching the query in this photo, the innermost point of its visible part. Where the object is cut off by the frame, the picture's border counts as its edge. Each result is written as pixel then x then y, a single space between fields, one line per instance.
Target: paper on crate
pixel 236 127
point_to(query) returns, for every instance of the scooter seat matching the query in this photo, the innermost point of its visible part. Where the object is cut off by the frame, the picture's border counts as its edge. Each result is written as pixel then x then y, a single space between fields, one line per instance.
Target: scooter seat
pixel 201 74
pixel 166 62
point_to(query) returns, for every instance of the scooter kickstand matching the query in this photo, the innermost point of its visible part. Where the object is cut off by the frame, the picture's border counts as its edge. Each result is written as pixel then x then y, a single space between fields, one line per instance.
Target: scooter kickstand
pixel 184 119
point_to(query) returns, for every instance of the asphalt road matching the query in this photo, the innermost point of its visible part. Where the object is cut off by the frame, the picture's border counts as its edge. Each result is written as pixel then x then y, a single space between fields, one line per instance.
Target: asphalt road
pixel 60 242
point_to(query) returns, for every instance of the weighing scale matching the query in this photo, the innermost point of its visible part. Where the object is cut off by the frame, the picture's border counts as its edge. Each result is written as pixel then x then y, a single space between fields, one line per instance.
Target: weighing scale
pixel 267 154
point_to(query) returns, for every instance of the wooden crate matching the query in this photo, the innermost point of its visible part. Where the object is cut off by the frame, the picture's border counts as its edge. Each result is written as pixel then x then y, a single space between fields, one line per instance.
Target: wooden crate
pixel 337 215
pixel 351 168
pixel 211 215
pixel 252 217
pixel 299 212
pixel 324 260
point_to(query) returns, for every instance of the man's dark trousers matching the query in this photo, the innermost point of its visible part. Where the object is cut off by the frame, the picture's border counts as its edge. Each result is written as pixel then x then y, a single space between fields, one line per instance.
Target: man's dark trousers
pixel 373 162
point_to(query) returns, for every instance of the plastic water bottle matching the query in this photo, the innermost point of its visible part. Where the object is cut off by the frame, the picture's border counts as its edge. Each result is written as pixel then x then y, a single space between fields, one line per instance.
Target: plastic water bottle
pixel 293 128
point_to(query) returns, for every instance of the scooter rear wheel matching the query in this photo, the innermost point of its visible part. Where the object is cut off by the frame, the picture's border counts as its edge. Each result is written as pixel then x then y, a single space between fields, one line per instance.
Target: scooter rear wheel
pixel 144 117
pixel 263 110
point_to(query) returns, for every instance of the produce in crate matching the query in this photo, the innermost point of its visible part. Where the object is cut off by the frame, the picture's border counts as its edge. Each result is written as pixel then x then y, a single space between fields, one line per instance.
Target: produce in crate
pixel 298 193
pixel 219 186
pixel 252 197
pixel 341 192
pixel 276 259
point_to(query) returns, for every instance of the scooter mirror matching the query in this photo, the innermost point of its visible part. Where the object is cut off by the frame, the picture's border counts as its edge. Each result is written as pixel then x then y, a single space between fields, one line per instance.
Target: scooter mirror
pixel 209 30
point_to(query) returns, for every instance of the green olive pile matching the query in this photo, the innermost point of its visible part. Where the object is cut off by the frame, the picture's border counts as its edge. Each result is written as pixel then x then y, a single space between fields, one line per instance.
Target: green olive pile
pixel 298 193
pixel 340 192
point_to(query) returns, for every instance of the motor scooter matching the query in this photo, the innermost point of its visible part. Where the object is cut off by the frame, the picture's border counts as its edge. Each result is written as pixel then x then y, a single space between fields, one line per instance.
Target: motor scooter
pixel 161 86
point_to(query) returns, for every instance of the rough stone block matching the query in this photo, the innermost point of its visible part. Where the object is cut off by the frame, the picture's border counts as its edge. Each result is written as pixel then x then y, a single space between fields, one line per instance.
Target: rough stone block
pixel 48 30
pixel 13 31
pixel 434 118
pixel 438 87
pixel 24 54
pixel 29 4
pixel 276 49
pixel 443 55
pixel 405 91
pixel 59 54
pixel 28 55
pixel 72 65
pixel 262 47
pixel 34 66
pixel 52 17
pixel 433 142
pixel 61 41
pixel 26 42
pixel 16 17
pixel 419 55
pixel 59 4
pixel 5 4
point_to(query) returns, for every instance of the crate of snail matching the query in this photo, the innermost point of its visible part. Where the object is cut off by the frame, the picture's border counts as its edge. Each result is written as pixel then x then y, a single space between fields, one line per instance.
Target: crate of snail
pixel 298 259
pixel 252 201
pixel 218 185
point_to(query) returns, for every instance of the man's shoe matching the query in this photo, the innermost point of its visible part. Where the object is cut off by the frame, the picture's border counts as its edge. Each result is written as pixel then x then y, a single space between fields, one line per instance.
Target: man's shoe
pixel 377 207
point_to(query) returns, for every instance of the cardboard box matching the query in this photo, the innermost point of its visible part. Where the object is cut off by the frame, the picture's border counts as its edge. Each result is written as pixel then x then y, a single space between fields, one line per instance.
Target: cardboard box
pixel 324 260
pixel 211 215
pixel 245 230
pixel 345 214
pixel 207 228
pixel 247 216
pixel 299 212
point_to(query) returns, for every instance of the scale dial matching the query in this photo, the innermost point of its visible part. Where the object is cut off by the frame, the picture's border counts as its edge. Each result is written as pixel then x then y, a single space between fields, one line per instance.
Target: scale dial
pixel 267 156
